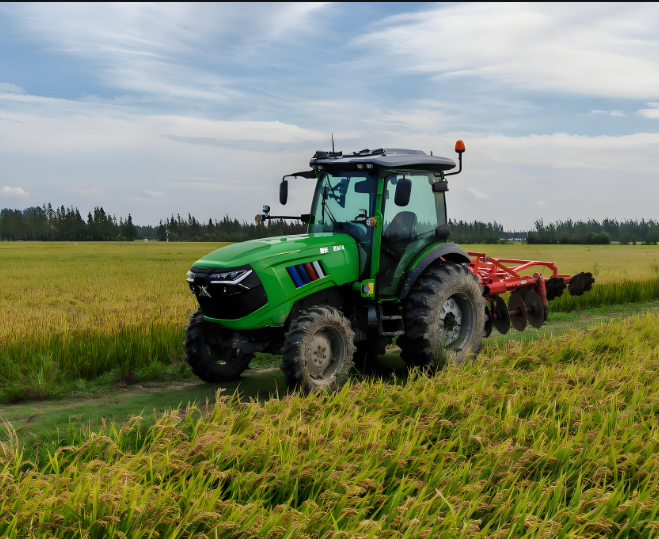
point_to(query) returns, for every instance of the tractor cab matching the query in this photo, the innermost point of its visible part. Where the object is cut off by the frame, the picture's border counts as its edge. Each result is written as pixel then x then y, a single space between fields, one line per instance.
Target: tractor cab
pixel 391 201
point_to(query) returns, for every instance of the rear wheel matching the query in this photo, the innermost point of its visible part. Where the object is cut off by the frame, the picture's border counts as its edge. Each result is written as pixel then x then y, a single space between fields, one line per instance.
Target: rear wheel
pixel 318 351
pixel 211 361
pixel 444 317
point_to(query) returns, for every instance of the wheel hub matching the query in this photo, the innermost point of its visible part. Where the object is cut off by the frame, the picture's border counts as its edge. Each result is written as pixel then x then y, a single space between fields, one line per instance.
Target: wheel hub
pixel 320 354
pixel 451 317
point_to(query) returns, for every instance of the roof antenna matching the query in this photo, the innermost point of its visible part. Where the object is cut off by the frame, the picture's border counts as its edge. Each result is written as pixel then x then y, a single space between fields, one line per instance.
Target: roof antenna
pixel 332 142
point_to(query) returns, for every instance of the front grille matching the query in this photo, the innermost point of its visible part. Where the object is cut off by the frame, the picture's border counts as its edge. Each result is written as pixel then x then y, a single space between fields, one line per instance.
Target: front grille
pixel 309 272
pixel 226 301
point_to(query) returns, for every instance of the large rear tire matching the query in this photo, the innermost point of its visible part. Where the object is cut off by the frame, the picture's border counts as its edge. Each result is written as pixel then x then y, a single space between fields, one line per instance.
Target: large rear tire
pixel 318 350
pixel 212 362
pixel 444 318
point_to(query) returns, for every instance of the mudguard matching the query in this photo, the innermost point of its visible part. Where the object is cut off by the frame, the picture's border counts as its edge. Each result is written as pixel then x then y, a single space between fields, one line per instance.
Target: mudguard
pixel 447 251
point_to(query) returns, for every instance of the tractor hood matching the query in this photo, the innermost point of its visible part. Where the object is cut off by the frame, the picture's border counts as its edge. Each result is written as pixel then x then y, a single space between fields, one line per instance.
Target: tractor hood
pixel 276 273
pixel 249 252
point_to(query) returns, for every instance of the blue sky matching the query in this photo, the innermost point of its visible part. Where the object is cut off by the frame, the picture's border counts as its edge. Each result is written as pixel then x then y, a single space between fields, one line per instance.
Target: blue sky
pixel 160 109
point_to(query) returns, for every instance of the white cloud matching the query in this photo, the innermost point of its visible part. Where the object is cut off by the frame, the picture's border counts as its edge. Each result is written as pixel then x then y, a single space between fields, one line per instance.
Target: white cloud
pixel 160 49
pixel 651 113
pixel 56 125
pixel 203 186
pixel 11 88
pixel 599 50
pixel 91 192
pixel 616 113
pixel 476 195
pixel 13 191
pixel 153 194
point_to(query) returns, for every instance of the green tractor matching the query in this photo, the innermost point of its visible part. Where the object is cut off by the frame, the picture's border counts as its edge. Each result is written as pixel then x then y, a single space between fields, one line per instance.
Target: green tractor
pixel 374 265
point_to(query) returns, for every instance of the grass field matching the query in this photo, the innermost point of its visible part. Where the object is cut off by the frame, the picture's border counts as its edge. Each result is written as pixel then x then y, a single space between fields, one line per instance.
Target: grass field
pixel 74 312
pixel 552 438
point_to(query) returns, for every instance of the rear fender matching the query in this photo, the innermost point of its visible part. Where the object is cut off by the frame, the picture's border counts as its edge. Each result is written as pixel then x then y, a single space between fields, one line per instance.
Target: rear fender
pixel 448 251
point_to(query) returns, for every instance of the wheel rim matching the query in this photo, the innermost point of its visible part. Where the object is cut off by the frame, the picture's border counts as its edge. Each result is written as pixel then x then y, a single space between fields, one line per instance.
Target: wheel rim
pixel 456 321
pixel 325 351
pixel 223 354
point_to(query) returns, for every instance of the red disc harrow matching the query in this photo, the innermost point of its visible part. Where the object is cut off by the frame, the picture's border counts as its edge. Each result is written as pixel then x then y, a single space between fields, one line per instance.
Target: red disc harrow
pixel 529 294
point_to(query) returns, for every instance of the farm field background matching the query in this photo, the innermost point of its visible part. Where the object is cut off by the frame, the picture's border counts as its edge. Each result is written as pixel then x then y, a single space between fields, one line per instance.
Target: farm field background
pixel 78 311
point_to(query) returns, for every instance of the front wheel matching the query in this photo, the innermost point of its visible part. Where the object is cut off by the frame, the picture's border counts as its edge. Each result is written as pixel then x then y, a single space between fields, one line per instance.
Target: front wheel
pixel 317 354
pixel 211 361
pixel 444 317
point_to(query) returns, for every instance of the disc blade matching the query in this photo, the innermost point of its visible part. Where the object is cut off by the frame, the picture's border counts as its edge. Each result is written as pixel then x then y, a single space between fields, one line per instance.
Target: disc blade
pixel 488 323
pixel 516 303
pixel 502 320
pixel 535 309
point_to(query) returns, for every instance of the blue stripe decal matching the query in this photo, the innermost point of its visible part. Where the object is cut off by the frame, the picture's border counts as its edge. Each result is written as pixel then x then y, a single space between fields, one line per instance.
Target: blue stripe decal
pixel 296 278
pixel 302 272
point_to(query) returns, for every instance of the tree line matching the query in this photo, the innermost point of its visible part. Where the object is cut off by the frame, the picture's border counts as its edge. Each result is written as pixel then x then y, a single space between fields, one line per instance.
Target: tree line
pixel 64 224
pixel 46 223
pixel 225 229
pixel 476 232
pixel 592 232
pixel 67 224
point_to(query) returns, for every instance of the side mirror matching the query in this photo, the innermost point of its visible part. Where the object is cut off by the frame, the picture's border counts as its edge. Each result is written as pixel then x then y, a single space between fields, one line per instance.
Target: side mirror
pixel 283 192
pixel 403 191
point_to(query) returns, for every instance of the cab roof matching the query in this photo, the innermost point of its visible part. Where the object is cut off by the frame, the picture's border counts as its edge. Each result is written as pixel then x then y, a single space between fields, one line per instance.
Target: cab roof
pixel 383 157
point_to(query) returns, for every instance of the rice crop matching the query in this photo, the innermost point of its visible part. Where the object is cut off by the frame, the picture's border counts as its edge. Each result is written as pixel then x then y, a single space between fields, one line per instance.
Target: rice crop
pixel 72 311
pixel 555 438
pixel 76 311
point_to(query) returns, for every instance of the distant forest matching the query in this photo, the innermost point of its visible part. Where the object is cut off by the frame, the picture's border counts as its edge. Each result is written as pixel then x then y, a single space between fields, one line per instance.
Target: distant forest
pixel 593 232
pixel 67 224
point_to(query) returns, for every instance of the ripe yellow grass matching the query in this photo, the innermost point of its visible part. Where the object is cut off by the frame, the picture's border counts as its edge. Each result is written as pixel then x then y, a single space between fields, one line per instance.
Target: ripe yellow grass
pixel 72 311
pixel 555 438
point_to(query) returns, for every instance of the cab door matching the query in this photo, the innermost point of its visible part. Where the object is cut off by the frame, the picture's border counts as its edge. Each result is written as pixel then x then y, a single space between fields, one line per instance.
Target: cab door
pixel 407 230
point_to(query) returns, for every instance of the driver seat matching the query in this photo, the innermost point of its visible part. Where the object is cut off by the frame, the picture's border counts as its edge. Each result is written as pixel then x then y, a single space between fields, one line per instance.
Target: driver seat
pixel 403 226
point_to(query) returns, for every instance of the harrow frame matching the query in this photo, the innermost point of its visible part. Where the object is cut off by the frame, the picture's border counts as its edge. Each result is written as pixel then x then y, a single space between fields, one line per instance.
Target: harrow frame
pixel 496 278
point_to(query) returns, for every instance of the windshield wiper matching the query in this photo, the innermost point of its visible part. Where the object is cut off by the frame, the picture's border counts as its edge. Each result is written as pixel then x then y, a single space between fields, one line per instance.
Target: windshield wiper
pixel 325 207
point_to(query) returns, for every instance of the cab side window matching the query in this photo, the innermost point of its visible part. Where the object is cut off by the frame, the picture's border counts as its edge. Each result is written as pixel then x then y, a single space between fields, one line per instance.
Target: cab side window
pixel 408 229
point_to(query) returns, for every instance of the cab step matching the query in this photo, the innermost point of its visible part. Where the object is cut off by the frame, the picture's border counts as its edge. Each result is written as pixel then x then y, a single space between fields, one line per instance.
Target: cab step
pixel 390 319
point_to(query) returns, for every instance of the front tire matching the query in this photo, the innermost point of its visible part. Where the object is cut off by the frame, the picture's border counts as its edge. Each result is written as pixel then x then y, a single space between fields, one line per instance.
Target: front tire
pixel 212 362
pixel 318 350
pixel 444 318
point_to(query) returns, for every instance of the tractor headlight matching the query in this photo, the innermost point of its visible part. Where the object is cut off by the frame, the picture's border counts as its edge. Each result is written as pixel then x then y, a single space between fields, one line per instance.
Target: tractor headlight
pixel 190 277
pixel 229 276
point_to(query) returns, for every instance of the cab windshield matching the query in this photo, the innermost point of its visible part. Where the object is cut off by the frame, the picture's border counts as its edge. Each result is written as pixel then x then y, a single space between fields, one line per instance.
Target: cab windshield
pixel 337 201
